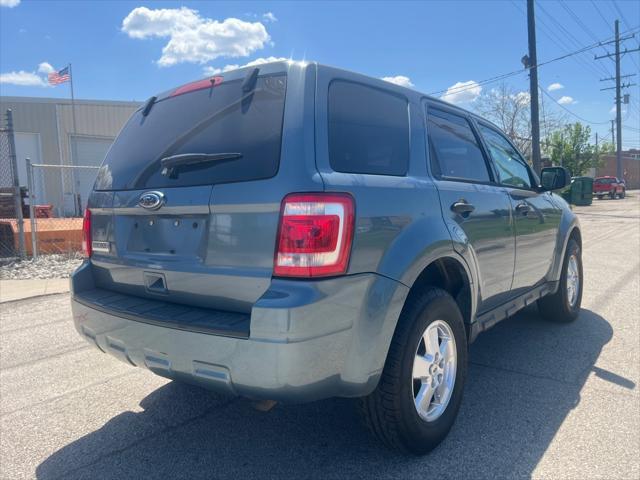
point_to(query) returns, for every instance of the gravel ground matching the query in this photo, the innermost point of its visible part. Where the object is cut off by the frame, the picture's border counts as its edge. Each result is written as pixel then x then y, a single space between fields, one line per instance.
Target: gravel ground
pixel 45 266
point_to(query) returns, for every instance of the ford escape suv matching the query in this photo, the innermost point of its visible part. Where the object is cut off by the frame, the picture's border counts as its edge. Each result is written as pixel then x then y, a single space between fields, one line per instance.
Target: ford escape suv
pixel 295 232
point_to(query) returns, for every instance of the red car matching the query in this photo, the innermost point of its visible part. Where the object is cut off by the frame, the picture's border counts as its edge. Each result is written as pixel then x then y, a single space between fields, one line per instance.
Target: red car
pixel 609 186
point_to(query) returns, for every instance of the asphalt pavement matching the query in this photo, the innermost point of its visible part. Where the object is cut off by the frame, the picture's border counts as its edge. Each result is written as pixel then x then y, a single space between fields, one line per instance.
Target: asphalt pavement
pixel 542 400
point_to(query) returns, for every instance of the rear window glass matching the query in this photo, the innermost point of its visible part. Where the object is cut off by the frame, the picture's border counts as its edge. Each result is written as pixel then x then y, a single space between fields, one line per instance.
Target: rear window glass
pixel 455 152
pixel 368 130
pixel 220 119
pixel 605 180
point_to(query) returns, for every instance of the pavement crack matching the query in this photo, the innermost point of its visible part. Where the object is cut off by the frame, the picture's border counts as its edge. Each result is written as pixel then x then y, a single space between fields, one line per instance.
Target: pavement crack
pixel 162 431
pixel 556 380
pixel 81 346
pixel 66 394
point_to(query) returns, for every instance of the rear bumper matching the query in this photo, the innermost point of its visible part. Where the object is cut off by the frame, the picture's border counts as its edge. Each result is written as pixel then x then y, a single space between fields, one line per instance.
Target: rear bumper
pixel 307 341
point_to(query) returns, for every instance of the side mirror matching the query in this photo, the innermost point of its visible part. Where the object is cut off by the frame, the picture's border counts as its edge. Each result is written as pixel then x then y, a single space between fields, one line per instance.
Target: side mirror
pixel 554 178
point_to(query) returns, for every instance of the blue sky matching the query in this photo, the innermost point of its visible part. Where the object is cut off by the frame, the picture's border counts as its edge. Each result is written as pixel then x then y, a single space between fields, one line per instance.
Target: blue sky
pixel 124 50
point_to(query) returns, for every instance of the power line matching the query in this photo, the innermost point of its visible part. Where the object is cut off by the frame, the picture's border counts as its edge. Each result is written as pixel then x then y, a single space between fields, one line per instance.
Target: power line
pixel 520 71
pixel 571 113
pixel 579 22
pixel 624 20
pixel 595 5
pixel 551 34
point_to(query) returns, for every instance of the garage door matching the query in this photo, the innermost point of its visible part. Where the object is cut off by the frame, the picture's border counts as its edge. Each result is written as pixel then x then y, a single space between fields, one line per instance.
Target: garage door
pixel 85 151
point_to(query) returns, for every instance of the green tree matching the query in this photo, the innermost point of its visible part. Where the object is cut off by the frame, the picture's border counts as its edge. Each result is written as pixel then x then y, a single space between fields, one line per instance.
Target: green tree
pixel 570 148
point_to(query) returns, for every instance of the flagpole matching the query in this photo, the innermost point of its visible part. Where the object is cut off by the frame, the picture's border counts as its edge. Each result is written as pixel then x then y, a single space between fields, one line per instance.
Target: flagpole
pixel 73 101
pixel 71 149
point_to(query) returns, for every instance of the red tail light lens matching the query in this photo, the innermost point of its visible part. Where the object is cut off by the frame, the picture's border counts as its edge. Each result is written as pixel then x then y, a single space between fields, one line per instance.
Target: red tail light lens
pixel 86 233
pixel 315 235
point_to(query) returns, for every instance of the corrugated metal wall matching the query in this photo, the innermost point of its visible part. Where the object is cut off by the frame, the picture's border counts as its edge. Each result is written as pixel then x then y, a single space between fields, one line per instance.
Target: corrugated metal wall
pixel 52 119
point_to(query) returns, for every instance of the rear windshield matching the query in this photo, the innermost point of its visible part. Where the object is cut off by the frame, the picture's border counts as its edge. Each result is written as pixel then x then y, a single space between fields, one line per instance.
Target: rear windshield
pixel 220 119
pixel 605 180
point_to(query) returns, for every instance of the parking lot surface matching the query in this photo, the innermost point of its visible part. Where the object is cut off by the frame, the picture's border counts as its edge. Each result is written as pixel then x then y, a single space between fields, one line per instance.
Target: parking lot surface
pixel 542 400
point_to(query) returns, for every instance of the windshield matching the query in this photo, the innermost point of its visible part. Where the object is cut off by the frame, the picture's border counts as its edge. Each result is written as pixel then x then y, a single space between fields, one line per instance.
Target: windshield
pixel 222 118
pixel 605 180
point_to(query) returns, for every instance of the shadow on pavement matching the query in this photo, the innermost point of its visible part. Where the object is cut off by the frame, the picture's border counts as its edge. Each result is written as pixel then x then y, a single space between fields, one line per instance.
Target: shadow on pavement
pixel 525 377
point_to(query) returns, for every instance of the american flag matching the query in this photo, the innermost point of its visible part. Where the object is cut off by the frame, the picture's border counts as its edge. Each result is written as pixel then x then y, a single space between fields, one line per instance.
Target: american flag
pixel 61 76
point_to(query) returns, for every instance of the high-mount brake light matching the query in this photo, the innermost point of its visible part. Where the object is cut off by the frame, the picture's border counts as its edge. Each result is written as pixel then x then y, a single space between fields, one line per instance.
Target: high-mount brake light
pixel 86 233
pixel 197 85
pixel 315 235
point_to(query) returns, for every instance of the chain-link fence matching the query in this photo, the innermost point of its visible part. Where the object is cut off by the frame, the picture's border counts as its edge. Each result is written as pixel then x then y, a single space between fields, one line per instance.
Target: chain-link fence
pixel 57 198
pixel 12 205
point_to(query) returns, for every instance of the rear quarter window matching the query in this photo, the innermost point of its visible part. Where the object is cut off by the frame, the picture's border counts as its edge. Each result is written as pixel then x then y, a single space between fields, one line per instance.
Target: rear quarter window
pixel 368 130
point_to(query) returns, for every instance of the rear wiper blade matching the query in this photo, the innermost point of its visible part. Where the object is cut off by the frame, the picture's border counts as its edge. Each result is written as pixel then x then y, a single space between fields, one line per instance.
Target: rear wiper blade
pixel 172 163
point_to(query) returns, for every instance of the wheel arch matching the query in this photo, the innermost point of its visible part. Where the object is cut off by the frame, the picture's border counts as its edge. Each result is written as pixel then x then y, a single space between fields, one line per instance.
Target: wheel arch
pixel 452 274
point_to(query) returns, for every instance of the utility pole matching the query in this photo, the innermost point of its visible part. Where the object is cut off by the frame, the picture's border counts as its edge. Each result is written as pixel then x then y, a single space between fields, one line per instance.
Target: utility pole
pixel 533 87
pixel 618 88
pixel 613 140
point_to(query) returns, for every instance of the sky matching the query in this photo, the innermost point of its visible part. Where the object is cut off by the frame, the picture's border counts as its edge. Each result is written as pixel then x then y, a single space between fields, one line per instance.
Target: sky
pixel 129 50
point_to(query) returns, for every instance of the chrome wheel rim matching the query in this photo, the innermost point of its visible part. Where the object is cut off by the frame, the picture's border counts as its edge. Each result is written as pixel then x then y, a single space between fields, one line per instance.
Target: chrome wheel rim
pixel 573 280
pixel 434 371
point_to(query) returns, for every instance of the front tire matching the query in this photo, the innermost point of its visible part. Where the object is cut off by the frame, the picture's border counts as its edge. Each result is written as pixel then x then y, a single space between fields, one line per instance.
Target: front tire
pixel 623 194
pixel 564 305
pixel 613 195
pixel 420 390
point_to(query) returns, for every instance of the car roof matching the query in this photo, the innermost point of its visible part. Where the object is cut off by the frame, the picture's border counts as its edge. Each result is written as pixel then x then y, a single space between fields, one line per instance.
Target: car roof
pixel 380 83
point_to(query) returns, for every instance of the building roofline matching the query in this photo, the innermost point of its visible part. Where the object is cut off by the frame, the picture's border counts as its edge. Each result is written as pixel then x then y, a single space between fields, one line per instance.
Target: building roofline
pixel 67 101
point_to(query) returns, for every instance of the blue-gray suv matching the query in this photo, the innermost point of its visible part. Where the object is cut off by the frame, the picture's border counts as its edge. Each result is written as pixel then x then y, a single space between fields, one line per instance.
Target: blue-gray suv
pixel 294 232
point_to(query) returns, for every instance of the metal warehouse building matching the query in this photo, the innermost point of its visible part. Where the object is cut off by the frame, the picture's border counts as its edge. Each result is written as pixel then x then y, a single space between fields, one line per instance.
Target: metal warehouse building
pixel 45 133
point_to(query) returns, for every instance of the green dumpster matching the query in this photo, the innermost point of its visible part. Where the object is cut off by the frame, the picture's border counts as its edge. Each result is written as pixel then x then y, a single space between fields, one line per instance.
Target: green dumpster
pixel 580 192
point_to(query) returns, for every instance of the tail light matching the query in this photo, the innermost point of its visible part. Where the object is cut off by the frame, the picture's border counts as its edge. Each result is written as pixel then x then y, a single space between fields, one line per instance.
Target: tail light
pixel 197 85
pixel 315 234
pixel 86 233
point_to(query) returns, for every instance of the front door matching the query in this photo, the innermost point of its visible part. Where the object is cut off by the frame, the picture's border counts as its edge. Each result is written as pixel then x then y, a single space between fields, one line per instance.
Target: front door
pixel 536 217
pixel 477 210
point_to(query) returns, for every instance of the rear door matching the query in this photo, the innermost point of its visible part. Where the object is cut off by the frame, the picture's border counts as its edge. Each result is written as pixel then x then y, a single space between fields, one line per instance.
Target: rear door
pixel 537 218
pixel 209 241
pixel 477 210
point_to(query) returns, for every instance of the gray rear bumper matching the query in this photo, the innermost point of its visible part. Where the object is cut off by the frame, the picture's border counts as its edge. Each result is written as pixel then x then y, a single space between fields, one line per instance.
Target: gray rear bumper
pixel 308 340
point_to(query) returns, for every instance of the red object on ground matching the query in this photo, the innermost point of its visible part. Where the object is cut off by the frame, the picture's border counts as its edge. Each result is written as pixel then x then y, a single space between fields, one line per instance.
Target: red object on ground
pixel 608 186
pixel 43 211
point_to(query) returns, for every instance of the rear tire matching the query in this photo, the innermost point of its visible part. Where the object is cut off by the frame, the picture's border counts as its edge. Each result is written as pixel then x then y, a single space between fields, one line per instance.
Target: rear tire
pixel 623 194
pixel 564 305
pixel 613 195
pixel 599 197
pixel 410 374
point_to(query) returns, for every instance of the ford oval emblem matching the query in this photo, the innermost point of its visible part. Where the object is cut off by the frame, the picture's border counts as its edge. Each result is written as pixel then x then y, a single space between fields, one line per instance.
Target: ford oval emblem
pixel 151 200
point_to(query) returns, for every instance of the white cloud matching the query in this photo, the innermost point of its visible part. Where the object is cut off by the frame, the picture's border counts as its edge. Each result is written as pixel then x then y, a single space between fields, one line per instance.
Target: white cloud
pixel 523 98
pixel 623 110
pixel 45 68
pixel 566 100
pixel 23 79
pixel 399 80
pixel 462 92
pixel 193 38
pixel 9 3
pixel 209 70
pixel 555 86
pixel 269 17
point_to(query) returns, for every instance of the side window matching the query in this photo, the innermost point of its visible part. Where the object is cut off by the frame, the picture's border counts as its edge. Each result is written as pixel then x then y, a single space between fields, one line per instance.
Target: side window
pixel 511 168
pixel 368 130
pixel 455 152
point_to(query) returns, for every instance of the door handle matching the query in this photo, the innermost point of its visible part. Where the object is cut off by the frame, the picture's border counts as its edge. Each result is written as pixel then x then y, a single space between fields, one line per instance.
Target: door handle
pixel 523 208
pixel 462 207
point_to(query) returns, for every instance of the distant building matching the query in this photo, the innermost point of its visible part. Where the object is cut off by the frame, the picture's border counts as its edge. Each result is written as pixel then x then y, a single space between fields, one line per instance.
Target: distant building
pixel 44 133
pixel 630 167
